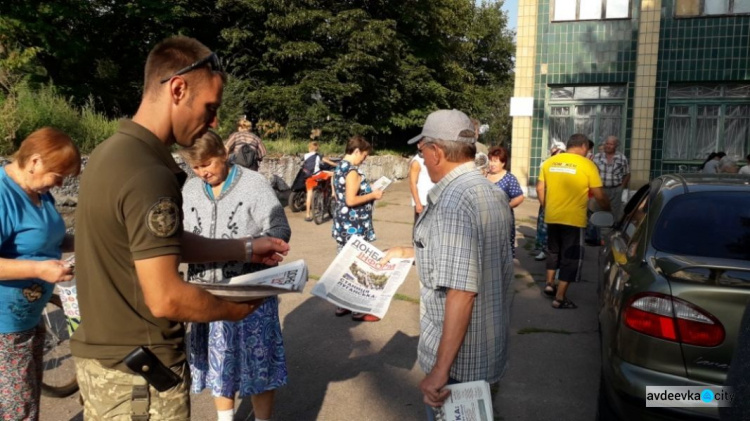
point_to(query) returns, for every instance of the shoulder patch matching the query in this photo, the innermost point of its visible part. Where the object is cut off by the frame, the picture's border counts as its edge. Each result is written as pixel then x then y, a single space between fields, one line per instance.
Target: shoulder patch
pixel 163 217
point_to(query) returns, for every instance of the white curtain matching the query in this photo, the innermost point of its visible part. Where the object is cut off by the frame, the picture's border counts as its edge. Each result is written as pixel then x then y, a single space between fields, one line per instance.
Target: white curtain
pixel 591 9
pixel 678 133
pixel 741 6
pixel 736 125
pixel 584 120
pixel 706 131
pixel 565 10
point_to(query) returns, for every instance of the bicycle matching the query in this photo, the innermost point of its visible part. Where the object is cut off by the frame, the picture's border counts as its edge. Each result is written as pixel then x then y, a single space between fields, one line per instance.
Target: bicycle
pixel 59 374
pixel 323 201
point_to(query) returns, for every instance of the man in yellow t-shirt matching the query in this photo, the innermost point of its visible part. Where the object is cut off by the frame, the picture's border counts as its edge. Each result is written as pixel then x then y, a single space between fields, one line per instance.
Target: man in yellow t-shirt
pixel 565 181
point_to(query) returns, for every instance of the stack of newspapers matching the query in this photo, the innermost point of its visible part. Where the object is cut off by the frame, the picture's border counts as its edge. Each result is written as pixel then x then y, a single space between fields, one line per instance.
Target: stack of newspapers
pixel 290 277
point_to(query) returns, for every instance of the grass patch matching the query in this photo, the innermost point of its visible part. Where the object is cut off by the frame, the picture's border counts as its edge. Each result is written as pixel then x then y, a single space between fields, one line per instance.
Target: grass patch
pixel 528 330
pixel 315 277
pixel 526 221
pixel 528 246
pixel 530 285
pixel 404 297
pixel 381 204
pixel 519 275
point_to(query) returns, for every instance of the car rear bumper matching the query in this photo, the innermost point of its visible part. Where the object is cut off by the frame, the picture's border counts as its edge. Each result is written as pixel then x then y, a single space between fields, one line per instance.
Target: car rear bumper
pixel 625 388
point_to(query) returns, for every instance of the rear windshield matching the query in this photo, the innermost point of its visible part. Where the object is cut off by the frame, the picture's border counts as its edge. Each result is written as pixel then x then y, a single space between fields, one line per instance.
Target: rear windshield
pixel 713 224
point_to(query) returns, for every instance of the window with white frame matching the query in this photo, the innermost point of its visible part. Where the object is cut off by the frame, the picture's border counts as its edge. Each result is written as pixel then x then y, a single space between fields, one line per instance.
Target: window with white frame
pixel 690 8
pixel 571 10
pixel 596 111
pixel 707 118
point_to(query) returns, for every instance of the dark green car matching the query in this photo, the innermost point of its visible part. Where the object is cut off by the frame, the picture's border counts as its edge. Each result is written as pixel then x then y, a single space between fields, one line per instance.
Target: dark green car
pixel 675 281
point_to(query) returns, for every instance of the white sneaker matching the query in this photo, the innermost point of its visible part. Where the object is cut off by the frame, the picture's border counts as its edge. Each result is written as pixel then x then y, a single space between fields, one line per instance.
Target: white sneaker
pixel 540 256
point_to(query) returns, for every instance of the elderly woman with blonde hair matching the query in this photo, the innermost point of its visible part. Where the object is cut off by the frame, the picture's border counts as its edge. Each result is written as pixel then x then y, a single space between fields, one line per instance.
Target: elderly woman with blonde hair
pixel 32 239
pixel 245 357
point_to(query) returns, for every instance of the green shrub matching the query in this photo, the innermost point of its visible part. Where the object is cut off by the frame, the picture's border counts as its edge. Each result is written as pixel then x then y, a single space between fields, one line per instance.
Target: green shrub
pixel 30 109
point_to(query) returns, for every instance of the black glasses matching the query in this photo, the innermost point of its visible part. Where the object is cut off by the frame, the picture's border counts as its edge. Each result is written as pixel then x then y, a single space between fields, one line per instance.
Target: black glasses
pixel 212 60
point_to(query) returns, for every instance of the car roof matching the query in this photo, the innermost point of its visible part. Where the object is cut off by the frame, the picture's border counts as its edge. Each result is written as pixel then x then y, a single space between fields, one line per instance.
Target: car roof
pixel 692 183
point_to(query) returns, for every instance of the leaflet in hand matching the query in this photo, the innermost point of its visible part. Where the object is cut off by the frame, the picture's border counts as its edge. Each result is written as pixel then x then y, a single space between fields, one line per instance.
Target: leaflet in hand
pixel 290 277
pixel 356 280
pixel 468 401
pixel 381 183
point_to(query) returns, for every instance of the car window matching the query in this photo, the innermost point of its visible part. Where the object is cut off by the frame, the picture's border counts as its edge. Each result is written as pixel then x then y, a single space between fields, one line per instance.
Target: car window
pixel 636 217
pixel 710 224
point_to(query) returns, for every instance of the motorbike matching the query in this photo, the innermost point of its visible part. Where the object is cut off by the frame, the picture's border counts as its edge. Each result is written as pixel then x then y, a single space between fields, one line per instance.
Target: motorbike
pixel 298 195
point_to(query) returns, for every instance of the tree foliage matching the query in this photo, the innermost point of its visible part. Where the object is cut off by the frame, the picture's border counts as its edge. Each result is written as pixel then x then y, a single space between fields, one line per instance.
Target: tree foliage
pixel 375 67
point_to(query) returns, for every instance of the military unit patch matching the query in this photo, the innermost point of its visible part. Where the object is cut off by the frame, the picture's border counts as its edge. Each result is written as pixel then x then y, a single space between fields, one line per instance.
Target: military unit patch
pixel 163 217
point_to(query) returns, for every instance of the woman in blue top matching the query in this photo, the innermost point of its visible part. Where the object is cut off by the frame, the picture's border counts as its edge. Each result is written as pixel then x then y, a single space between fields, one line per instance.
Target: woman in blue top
pixel 354 203
pixel 499 175
pixel 32 238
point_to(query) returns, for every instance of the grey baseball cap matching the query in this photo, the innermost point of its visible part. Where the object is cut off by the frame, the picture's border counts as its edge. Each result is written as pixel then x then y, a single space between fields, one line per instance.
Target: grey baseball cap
pixel 446 125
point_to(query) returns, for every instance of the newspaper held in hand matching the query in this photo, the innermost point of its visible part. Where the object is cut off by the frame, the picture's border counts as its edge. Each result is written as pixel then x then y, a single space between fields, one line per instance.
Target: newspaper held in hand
pixel 467 401
pixel 290 277
pixel 381 183
pixel 356 280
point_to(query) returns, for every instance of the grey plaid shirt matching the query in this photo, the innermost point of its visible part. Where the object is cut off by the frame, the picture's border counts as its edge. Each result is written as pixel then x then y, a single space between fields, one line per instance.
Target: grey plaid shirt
pixel 462 242
pixel 612 174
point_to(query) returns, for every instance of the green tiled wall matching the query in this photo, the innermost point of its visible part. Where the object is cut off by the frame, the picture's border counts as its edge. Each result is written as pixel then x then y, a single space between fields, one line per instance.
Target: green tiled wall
pixel 581 53
pixel 694 50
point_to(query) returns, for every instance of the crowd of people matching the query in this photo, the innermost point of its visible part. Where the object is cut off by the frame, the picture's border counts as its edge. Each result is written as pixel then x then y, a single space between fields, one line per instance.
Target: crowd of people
pixel 148 339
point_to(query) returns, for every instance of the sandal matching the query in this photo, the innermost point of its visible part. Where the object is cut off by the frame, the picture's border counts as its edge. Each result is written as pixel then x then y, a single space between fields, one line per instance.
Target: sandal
pixel 308 218
pixel 550 290
pixel 340 311
pixel 563 304
pixel 362 317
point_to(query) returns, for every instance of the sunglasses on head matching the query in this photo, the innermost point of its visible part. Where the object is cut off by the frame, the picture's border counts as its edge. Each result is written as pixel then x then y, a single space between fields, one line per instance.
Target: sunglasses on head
pixel 212 60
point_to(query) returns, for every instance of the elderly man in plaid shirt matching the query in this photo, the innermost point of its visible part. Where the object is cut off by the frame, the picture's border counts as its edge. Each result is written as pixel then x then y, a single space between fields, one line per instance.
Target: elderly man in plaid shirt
pixel 614 172
pixel 464 260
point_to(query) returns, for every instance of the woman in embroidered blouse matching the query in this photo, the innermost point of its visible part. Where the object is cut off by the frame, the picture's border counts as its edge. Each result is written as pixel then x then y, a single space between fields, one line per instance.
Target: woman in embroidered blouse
pixel 499 175
pixel 32 239
pixel 354 203
pixel 245 357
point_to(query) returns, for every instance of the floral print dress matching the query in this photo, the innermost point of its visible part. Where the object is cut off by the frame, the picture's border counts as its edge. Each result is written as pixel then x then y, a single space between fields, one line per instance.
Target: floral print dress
pixel 355 220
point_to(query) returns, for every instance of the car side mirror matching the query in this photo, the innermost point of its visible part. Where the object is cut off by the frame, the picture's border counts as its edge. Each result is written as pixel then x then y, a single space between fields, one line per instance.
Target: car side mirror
pixel 619 250
pixel 602 219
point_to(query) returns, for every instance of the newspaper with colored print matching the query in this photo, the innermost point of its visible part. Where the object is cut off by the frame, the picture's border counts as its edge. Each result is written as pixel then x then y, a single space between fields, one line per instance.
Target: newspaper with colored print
pixel 358 282
pixel 290 277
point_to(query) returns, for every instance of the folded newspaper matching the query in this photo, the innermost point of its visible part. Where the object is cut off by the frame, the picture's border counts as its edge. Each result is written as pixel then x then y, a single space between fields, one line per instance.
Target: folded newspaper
pixel 290 277
pixel 381 183
pixel 358 282
pixel 467 401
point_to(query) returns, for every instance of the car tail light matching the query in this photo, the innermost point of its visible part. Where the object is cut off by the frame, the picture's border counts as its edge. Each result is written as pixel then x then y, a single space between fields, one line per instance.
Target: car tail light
pixel 672 319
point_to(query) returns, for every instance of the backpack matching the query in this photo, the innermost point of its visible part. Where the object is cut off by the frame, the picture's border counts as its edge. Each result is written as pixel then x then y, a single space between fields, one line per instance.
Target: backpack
pixel 245 155
pixel 309 165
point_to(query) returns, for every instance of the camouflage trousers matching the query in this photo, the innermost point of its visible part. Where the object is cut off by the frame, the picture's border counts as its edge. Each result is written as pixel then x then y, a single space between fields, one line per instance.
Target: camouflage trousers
pixel 108 394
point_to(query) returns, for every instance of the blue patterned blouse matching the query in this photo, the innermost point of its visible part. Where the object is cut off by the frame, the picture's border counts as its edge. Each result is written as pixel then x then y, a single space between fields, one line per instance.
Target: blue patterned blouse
pixel 349 221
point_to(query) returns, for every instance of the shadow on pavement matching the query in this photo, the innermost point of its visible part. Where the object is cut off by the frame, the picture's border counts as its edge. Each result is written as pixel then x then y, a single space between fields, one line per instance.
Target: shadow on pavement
pixel 323 350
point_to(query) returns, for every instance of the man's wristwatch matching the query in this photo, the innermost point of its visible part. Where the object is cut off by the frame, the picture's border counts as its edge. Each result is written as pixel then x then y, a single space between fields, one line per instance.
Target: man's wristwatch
pixel 248 249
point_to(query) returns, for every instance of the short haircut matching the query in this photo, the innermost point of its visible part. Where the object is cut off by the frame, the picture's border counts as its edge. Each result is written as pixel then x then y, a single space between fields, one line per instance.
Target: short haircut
pixel 358 142
pixel 313 144
pixel 748 158
pixel 244 124
pixel 455 151
pixel 500 153
pixel 58 152
pixel 578 140
pixel 171 55
pixel 205 147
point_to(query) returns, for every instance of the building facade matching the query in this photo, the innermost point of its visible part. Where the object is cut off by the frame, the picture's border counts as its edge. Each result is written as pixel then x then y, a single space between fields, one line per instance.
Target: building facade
pixel 669 78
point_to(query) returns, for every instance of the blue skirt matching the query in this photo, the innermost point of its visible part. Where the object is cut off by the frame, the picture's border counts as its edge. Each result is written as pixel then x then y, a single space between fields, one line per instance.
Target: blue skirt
pixel 245 357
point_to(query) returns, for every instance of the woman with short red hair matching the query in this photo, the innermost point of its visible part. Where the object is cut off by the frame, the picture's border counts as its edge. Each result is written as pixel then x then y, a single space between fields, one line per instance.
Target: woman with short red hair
pixel 32 239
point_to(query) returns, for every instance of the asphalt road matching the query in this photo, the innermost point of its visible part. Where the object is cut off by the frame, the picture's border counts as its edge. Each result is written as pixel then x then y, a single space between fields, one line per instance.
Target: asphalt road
pixel 343 370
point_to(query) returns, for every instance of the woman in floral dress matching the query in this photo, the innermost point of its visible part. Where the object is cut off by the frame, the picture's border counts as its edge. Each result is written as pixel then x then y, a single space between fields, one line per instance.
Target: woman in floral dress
pixel 245 357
